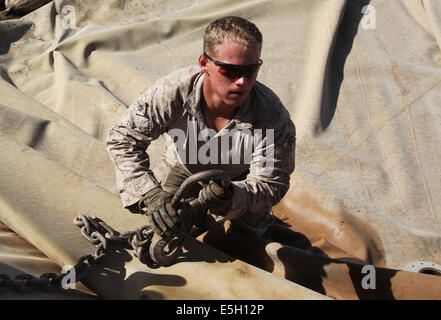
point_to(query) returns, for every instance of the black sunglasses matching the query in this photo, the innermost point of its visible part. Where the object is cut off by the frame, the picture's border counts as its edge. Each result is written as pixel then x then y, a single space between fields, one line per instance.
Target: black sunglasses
pixel 236 71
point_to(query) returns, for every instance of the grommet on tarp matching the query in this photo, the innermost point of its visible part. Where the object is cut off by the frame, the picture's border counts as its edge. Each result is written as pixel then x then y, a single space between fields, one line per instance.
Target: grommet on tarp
pixel 425 267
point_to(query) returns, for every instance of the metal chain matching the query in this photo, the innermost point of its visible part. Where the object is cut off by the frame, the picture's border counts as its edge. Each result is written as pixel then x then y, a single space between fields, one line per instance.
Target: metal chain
pixel 25 283
pixel 96 232
pixel 99 233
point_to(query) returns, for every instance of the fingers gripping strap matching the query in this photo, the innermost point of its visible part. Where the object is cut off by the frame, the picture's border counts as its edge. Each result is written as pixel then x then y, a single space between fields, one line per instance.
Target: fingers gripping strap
pixel 209 197
pixel 168 220
pixel 157 220
pixel 217 190
pixel 152 223
pixel 214 196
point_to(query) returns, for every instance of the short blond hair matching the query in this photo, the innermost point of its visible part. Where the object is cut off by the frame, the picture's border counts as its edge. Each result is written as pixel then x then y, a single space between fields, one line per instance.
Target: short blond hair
pixel 232 28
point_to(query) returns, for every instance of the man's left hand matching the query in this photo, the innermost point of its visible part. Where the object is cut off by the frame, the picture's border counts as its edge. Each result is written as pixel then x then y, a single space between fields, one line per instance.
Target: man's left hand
pixel 214 196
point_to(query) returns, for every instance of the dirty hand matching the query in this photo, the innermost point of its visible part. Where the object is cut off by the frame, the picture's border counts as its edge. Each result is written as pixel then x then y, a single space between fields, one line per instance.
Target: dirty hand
pixel 162 218
pixel 214 196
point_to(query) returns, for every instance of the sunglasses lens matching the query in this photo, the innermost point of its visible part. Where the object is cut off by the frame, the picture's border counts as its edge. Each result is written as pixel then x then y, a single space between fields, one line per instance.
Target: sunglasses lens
pixel 251 71
pixel 231 73
pixel 238 72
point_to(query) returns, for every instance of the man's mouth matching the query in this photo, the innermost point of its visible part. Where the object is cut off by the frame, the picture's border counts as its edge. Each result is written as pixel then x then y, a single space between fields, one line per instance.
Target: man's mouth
pixel 236 93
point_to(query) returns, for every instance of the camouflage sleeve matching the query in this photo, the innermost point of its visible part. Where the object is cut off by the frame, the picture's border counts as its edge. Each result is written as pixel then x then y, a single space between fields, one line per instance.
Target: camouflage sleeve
pixel 127 143
pixel 270 171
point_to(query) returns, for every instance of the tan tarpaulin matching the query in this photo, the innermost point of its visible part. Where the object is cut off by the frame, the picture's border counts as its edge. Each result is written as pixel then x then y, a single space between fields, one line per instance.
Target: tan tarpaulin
pixel 362 85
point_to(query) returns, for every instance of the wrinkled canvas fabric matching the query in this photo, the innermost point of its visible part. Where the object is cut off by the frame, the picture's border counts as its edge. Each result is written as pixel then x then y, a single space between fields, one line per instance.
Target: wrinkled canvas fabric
pixel 362 85
pixel 13 9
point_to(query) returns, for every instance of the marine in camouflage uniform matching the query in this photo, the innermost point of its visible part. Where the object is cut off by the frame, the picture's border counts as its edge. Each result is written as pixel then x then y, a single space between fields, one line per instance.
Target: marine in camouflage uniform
pixel 176 106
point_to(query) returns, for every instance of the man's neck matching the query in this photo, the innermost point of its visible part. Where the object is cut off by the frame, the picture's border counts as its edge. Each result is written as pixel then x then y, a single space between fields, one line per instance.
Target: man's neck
pixel 216 113
pixel 216 107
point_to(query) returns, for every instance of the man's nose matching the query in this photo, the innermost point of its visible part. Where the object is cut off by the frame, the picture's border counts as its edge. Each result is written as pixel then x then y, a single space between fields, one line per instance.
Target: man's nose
pixel 242 81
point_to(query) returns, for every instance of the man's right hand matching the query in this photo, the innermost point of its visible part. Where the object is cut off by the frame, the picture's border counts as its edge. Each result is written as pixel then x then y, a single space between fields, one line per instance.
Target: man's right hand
pixel 162 218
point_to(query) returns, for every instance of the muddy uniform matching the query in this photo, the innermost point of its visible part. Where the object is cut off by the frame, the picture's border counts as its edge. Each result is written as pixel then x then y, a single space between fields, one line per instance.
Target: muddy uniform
pixel 256 147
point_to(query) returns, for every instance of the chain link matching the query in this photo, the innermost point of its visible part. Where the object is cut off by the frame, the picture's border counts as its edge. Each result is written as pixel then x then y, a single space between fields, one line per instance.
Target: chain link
pixel 96 232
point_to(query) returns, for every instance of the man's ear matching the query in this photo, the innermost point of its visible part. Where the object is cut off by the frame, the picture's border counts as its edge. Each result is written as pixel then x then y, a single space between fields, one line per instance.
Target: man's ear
pixel 203 63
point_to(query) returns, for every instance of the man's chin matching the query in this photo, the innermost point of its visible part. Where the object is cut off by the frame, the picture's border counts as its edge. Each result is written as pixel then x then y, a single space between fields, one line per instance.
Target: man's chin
pixel 235 101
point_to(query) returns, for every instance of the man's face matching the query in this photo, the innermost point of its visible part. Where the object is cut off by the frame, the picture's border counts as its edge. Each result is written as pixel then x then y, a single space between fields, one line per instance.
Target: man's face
pixel 226 84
